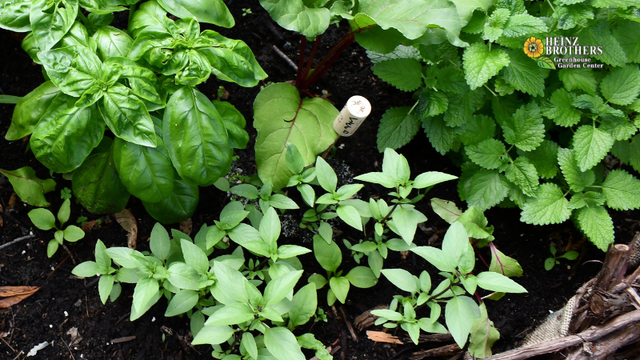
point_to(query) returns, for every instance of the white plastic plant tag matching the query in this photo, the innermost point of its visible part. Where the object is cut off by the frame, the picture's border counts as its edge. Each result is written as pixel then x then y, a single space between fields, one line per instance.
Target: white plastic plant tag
pixel 352 116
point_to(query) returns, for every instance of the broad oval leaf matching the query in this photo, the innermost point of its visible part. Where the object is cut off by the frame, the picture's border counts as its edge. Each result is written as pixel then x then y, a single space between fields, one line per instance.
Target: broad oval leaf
pixel 195 137
pixel 497 282
pixel 97 186
pixel 178 206
pixel 207 11
pixel 181 302
pixel 29 109
pixel 362 277
pixel 28 186
pixel 66 135
pixel 73 69
pixel 146 172
pixel 50 25
pixel 127 116
pixel 282 344
pixel 460 313
pixel 403 279
pixel 112 42
pixel 14 15
pixel 281 117
pixel 213 334
pixel 294 15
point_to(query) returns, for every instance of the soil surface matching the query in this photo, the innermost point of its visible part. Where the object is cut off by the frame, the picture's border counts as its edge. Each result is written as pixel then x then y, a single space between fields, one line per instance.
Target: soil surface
pixel 64 303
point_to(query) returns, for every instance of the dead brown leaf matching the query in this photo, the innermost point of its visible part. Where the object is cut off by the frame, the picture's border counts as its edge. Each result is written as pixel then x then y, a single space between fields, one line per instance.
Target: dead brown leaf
pixel 128 222
pixel 186 226
pixel 15 294
pixel 13 200
pixel 379 336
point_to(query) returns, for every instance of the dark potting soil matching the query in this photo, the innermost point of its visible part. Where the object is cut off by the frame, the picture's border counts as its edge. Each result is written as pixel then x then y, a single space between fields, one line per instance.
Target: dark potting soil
pixel 64 303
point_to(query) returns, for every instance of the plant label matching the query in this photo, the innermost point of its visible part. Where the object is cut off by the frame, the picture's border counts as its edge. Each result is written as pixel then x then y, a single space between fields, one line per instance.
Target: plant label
pixel 352 115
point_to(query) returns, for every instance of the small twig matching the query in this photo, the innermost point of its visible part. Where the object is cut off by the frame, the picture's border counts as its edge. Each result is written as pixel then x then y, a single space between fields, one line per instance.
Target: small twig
pixel 349 326
pixel 6 343
pixel 285 58
pixel 123 339
pixel 26 237
pixel 68 348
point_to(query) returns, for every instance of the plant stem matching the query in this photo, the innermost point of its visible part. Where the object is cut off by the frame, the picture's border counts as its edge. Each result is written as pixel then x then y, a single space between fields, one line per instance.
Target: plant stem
pixel 303 45
pixel 132 10
pixel 325 63
pixel 313 55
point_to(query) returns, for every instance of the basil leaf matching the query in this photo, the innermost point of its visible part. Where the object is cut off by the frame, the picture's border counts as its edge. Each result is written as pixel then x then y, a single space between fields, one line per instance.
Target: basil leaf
pixel 29 109
pixel 73 69
pixel 127 116
pixel 65 135
pixel 146 172
pixel 50 25
pixel 207 11
pixel 176 207
pixel 196 138
pixel 14 15
pixel 97 186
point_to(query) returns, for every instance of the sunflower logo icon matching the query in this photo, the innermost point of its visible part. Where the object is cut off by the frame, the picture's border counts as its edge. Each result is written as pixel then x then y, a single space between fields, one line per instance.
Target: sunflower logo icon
pixel 533 47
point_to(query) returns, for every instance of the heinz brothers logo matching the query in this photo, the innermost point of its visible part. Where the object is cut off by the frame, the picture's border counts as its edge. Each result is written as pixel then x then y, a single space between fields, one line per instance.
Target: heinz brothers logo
pixel 566 51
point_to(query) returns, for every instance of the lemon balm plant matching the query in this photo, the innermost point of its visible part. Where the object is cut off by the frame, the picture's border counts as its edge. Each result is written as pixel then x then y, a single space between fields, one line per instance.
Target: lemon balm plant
pixel 535 105
pixel 120 108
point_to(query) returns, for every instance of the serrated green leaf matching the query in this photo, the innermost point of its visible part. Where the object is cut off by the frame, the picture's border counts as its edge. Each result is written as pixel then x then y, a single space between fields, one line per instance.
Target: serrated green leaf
pixel 561 110
pixel 621 86
pixel 431 103
pixel 477 129
pixel 404 74
pixel 487 188
pixel 544 158
pixel 461 108
pixel 548 207
pixel 597 225
pixel 439 134
pixel 523 173
pixel 628 36
pixel 619 128
pixel 523 74
pixel 590 198
pixel 487 153
pixel 599 34
pixel 397 127
pixel 576 178
pixel 582 79
pixel 451 79
pixel 481 64
pixel 570 16
pixel 525 129
pixel 590 146
pixel 524 24
pixel 622 190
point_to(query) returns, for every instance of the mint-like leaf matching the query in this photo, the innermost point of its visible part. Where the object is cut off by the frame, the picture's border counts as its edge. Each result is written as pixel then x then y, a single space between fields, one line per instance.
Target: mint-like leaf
pixel 397 127
pixel 599 34
pixel 628 36
pixel 596 223
pixel 478 128
pixel 622 190
pixel 481 64
pixel 590 145
pixel 440 135
pixel 589 198
pixel 581 79
pixel 487 189
pixel 544 158
pixel 451 79
pixel 524 24
pixel 405 74
pixel 523 173
pixel 462 107
pixel 560 109
pixel 487 153
pixel 549 207
pixel 570 16
pixel 431 103
pixel 621 86
pixel 525 129
pixel 524 75
pixel 576 178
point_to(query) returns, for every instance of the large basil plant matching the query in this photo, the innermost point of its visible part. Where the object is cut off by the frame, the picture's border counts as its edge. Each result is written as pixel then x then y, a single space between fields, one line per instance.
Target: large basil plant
pixel 164 138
